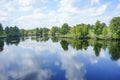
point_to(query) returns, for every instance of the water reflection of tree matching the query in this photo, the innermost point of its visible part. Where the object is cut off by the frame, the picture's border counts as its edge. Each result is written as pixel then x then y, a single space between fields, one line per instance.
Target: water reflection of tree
pixel 40 39
pixel 44 39
pixel 54 39
pixel 114 49
pixel 98 45
pixel 79 44
pixel 24 38
pixel 12 40
pixel 113 46
pixel 97 48
pixel 1 45
pixel 64 44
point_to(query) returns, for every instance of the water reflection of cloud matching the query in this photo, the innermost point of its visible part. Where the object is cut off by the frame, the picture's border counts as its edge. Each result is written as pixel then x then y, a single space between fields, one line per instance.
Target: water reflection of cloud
pixel 118 62
pixel 21 65
pixel 74 69
pixel 41 46
pixel 26 56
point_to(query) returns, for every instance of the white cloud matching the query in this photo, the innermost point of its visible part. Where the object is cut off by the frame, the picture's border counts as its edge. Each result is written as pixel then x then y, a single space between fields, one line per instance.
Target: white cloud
pixel 39 13
pixel 36 19
pixel 100 10
pixel 3 15
pixel 74 69
pixel 94 2
pixel 68 13
pixel 27 8
pixel 44 1
pixel 25 2
pixel 118 6
pixel 9 7
pixel 54 17
pixel 118 62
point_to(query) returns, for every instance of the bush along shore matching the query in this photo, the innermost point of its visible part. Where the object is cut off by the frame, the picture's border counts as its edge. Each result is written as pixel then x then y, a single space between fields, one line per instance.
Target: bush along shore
pixel 99 30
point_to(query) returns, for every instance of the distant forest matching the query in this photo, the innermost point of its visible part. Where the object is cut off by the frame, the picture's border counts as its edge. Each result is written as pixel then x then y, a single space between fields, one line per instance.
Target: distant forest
pixel 80 31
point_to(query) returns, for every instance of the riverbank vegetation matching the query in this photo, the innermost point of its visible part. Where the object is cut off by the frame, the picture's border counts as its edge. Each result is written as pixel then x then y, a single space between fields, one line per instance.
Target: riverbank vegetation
pixel 80 31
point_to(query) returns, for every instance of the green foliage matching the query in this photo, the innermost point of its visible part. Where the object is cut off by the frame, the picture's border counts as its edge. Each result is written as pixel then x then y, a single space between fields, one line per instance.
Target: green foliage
pixel 24 32
pixel 76 31
pixel 41 31
pixel 105 32
pixel 12 31
pixel 115 27
pixel 97 29
pixel 1 29
pixel 65 29
pixel 79 31
pixel 7 30
pixel 37 32
pixel 45 31
pixel 54 30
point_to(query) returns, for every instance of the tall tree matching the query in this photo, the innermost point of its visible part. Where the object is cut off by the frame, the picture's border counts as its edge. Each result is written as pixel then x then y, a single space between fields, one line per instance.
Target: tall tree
pixel 16 31
pixel 37 32
pixel 104 32
pixel 1 29
pixel 65 28
pixel 12 31
pixel 7 30
pixel 41 31
pixel 54 30
pixel 45 31
pixel 97 28
pixel 115 27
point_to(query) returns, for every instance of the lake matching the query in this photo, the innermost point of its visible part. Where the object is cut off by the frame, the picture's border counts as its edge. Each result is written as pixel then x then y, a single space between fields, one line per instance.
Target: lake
pixel 34 58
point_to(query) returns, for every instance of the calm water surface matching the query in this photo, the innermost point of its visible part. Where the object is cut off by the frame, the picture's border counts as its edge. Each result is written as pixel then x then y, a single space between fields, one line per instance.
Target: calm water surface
pixel 59 59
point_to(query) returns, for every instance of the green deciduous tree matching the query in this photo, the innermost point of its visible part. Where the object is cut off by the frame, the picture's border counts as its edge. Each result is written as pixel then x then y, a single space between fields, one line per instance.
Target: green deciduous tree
pixel 41 31
pixel 65 29
pixel 37 32
pixel 79 31
pixel 1 29
pixel 104 32
pixel 45 31
pixel 115 27
pixel 7 30
pixel 96 28
pixel 54 30
pixel 12 31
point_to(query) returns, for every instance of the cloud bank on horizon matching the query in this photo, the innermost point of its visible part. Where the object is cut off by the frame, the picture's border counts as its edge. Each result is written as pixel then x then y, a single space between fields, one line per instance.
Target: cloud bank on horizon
pixel 30 14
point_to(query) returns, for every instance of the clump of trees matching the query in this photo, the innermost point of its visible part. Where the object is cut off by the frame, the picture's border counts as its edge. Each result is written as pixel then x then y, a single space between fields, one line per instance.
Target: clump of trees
pixel 24 32
pixel 65 29
pixel 9 31
pixel 80 31
pixel 12 31
pixel 115 27
pixel 42 31
pixel 54 30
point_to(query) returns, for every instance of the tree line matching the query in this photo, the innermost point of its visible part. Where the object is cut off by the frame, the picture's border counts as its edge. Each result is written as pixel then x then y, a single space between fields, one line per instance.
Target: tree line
pixel 98 30
pixel 9 31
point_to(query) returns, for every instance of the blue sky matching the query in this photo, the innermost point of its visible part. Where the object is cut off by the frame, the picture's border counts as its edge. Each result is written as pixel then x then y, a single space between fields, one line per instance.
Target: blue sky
pixel 29 14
